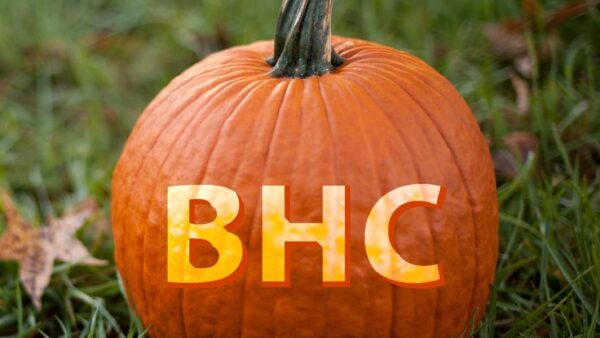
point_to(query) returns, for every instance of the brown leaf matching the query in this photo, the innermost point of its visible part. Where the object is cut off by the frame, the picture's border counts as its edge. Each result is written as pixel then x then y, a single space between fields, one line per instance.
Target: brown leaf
pixel 507 38
pixel 508 42
pixel 35 269
pixel 14 241
pixel 13 217
pixel 570 10
pixel 523 93
pixel 531 9
pixel 505 163
pixel 36 248
pixel 521 143
pixel 518 146
pixel 524 66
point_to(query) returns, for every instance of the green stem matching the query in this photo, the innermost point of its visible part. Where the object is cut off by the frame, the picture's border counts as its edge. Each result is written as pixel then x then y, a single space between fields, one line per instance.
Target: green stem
pixel 303 40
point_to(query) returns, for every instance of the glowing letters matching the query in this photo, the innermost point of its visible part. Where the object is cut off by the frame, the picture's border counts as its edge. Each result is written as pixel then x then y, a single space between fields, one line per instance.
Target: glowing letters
pixel 279 233
pixel 180 231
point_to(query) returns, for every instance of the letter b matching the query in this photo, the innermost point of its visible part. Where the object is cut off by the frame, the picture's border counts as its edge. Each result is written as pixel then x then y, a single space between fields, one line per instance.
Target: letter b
pixel 231 250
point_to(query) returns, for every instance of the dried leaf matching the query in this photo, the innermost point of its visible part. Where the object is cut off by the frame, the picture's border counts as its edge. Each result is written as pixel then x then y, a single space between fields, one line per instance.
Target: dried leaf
pixel 531 9
pixel 518 146
pixel 521 143
pixel 505 163
pixel 523 93
pixel 508 42
pixel 507 38
pixel 36 248
pixel 568 11
pixel 524 66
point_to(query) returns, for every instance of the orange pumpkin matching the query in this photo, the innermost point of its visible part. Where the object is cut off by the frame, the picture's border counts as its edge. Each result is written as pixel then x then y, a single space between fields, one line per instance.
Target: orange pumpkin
pixel 369 117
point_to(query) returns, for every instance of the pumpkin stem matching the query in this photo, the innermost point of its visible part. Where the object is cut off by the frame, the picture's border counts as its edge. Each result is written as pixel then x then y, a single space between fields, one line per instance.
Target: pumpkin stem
pixel 303 40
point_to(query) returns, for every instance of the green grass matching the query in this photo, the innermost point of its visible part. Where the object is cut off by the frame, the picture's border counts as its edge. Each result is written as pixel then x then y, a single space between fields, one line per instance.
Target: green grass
pixel 74 75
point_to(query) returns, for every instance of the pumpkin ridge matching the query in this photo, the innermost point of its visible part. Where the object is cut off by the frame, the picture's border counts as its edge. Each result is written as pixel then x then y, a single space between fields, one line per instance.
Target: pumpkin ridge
pixel 237 171
pixel 476 229
pixel 349 45
pixel 369 46
pixel 178 82
pixel 362 49
pixel 178 112
pixel 473 288
pixel 193 98
pixel 238 107
pixel 334 88
pixel 327 110
pixel 251 87
pixel 375 173
pixel 416 170
pixel 466 117
pixel 249 231
pixel 469 194
pixel 317 107
pixel 211 65
pixel 122 249
pixel 394 290
pixel 163 95
pixel 249 236
pixel 193 118
pixel 420 179
pixel 425 81
pixel 449 152
pixel 280 326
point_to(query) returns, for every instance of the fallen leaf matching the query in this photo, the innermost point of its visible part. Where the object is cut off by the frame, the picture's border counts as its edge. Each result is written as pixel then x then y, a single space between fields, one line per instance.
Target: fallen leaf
pixel 531 9
pixel 508 42
pixel 523 93
pixel 508 38
pixel 524 66
pixel 568 11
pixel 36 248
pixel 505 163
pixel 518 146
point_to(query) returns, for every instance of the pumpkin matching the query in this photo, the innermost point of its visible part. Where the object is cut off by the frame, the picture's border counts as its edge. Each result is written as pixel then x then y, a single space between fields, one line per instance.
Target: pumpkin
pixel 322 110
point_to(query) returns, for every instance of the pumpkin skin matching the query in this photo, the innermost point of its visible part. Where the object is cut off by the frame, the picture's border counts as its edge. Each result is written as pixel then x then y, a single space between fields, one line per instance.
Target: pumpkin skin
pixel 382 120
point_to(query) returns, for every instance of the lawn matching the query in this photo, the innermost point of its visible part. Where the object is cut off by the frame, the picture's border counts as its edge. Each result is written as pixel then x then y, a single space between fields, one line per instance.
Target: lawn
pixel 75 75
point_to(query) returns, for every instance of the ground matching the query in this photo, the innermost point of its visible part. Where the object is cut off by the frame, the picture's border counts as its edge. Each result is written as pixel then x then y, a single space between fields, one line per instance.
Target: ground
pixel 74 76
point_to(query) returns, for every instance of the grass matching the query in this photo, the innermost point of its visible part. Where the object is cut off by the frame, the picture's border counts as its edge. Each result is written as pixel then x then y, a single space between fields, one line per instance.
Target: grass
pixel 74 75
